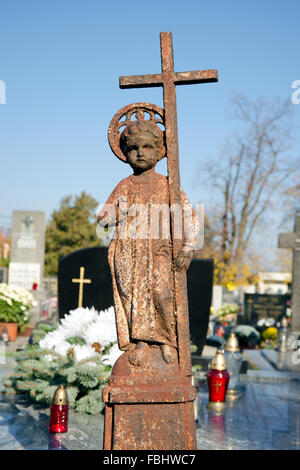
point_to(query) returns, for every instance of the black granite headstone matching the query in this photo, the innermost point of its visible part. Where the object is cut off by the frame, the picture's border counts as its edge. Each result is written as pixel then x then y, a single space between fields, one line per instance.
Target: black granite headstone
pixel 97 293
pixel 199 284
pixel 258 306
pixel 97 290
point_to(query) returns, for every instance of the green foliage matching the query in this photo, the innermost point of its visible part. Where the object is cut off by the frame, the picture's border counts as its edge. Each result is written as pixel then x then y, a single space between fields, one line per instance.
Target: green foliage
pixel 72 227
pixel 4 262
pixel 47 327
pixel 37 377
pixel 91 403
pixel 9 315
pixel 76 340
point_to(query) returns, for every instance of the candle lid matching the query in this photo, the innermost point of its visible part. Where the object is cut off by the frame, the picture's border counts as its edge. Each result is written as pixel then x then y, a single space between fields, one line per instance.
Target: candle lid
pixel 232 343
pixel 60 396
pixel 218 362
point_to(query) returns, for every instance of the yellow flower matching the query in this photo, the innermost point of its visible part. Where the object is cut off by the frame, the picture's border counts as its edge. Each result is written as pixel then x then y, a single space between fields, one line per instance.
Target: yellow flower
pixel 230 286
pixel 270 333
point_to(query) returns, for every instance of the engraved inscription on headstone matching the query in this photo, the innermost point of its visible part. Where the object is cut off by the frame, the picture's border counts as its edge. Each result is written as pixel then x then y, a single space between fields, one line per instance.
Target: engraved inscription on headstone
pixel 27 248
pixel 258 306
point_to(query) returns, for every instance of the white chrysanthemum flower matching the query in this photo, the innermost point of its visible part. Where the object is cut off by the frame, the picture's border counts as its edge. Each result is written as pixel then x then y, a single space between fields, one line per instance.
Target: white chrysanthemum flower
pixel 76 321
pixel 91 326
pixel 62 347
pixel 82 352
pixel 114 354
pixel 102 330
pixel 53 339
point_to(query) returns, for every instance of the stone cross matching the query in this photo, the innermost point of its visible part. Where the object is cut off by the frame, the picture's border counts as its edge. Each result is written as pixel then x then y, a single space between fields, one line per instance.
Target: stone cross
pixel 292 240
pixel 81 281
pixel 168 79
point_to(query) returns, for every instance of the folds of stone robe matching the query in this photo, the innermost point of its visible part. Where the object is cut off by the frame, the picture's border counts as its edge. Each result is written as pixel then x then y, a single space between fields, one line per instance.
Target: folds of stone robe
pixel 140 258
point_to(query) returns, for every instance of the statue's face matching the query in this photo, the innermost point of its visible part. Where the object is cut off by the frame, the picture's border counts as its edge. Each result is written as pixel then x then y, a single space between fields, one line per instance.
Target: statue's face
pixel 142 151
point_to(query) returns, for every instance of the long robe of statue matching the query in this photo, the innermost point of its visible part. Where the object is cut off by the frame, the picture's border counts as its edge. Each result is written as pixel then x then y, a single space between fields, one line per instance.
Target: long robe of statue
pixel 140 252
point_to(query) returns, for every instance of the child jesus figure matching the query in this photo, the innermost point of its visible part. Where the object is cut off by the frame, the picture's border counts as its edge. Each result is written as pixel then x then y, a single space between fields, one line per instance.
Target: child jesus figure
pixel 140 256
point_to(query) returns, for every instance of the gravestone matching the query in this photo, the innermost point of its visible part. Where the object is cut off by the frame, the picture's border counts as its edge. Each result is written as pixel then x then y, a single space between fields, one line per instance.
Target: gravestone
pixel 292 240
pixel 48 307
pixel 231 296
pixel 27 248
pixel 258 306
pixel 98 292
pixel 199 286
pixel 50 286
pixel 93 264
pixel 3 274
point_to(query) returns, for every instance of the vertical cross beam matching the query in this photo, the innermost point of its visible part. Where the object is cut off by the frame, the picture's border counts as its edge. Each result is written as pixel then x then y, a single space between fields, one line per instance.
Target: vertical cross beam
pixel 81 281
pixel 168 79
pixel 292 240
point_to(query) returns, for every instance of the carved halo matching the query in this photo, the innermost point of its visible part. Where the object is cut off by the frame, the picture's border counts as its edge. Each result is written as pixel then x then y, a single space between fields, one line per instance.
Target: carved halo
pixel 125 116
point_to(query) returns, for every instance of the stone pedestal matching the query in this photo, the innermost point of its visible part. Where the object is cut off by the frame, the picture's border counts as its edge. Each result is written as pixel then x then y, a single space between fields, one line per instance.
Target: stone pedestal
pixel 149 407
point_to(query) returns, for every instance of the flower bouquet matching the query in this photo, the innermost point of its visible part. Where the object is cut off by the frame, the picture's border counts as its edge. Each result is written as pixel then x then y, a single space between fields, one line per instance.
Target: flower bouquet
pixel 15 303
pixel 78 353
pixel 247 335
pixel 227 314
pixel 265 323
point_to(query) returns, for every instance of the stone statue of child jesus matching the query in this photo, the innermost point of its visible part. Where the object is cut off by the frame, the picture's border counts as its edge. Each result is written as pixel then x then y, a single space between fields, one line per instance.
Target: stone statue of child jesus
pixel 141 263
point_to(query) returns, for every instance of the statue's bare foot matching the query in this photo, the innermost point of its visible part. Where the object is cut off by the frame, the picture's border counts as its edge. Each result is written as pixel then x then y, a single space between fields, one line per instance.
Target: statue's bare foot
pixel 169 353
pixel 139 354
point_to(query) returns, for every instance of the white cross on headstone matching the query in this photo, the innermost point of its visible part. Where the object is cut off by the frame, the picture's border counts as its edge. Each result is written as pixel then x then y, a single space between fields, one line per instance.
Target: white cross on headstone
pixel 292 240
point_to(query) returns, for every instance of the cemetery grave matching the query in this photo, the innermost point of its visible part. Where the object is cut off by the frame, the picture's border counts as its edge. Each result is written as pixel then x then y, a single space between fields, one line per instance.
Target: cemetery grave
pixel 266 417
pixel 153 392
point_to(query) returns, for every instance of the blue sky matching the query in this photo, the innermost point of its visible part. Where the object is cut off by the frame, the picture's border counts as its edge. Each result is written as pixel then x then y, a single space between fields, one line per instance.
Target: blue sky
pixel 61 61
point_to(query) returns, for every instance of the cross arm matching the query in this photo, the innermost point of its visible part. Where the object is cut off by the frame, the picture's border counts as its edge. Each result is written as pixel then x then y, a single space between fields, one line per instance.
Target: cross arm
pixel 288 240
pixel 178 78
pixel 196 76
pixel 141 81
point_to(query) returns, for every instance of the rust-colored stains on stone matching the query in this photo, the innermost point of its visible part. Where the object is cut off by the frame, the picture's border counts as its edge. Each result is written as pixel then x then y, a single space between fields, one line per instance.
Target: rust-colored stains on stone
pixel 149 398
pixel 149 407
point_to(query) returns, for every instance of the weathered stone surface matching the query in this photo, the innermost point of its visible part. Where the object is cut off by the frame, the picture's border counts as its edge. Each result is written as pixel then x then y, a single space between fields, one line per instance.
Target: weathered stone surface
pixel 149 407
pixel 292 240
pixel 149 273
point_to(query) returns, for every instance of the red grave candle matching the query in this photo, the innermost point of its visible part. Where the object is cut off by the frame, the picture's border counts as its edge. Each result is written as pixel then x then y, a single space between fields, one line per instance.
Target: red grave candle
pixel 217 379
pixel 59 411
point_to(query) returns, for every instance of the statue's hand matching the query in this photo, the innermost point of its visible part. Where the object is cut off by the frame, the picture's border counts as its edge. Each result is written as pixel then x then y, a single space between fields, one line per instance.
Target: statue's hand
pixel 183 260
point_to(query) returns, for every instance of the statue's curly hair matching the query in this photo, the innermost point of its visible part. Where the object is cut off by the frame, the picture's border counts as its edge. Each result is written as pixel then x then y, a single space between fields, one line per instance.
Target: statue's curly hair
pixel 135 127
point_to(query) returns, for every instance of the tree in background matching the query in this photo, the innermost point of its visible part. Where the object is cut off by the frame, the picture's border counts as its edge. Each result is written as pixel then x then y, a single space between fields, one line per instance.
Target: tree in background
pixel 247 180
pixel 226 273
pixel 71 227
pixel 292 200
pixel 4 250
